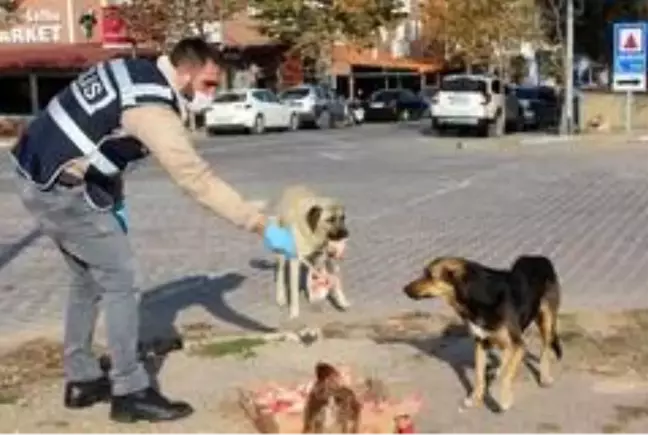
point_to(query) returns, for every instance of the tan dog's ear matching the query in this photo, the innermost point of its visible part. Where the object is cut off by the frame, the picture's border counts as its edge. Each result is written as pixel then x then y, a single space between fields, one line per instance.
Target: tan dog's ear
pixel 313 216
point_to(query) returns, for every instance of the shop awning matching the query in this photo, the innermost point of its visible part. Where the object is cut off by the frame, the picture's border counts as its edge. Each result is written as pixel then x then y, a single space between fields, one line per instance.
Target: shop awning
pixel 345 57
pixel 58 56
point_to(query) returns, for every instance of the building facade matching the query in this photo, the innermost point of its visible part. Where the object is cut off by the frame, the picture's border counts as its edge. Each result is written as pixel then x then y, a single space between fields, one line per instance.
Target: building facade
pixel 48 43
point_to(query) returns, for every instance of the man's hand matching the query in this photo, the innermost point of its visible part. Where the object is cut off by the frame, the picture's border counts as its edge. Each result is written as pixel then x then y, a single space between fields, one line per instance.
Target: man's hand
pixel 279 239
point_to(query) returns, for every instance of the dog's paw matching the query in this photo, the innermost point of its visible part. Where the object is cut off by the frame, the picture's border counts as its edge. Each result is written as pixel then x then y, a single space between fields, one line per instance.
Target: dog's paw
pixel 546 380
pixel 343 305
pixel 505 402
pixel 471 401
pixel 281 299
pixel 339 300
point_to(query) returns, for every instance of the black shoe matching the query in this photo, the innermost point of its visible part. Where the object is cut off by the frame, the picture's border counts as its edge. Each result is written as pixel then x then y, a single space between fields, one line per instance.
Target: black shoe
pixel 148 405
pixel 85 394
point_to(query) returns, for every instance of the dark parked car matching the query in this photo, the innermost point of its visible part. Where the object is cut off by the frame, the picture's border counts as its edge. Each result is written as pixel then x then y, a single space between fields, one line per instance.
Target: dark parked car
pixel 316 105
pixel 427 94
pixel 540 106
pixel 394 105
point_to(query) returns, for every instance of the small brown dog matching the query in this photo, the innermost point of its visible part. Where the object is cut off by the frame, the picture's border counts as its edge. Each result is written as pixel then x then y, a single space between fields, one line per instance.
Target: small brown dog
pixel 318 224
pixel 498 305
pixel 331 403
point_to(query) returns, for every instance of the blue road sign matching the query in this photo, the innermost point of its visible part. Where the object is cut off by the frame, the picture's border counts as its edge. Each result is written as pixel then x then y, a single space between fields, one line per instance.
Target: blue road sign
pixel 630 60
pixel 629 66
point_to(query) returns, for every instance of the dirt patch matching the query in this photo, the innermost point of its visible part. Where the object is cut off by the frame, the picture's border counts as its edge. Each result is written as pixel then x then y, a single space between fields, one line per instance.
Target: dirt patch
pixel 614 344
pixel 548 428
pixel 34 361
pixel 624 416
pixel 608 343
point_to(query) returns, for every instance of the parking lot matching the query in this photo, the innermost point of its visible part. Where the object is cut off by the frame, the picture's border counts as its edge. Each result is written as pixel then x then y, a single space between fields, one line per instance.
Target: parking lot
pixel 409 197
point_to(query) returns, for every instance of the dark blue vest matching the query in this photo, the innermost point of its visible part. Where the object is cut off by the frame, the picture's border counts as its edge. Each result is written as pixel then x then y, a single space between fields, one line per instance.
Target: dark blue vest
pixel 83 120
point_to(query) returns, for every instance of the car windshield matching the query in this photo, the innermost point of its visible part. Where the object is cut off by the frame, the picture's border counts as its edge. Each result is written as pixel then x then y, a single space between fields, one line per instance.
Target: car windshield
pixel 295 93
pixel 384 96
pixel 547 95
pixel 427 92
pixel 229 97
pixel 463 84
pixel 526 93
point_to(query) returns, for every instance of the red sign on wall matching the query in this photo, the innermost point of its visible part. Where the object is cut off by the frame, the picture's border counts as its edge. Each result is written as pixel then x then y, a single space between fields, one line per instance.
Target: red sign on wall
pixel 114 30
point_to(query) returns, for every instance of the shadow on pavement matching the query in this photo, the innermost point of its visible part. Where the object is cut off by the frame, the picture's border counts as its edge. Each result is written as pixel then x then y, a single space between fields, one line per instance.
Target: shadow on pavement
pixel 456 349
pixel 11 251
pixel 159 307
pixel 262 264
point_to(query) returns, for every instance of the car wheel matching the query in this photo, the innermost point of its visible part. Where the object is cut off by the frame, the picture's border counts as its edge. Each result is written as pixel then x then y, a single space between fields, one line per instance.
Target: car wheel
pixel 210 131
pixel 259 125
pixel 323 120
pixel 293 124
pixel 405 115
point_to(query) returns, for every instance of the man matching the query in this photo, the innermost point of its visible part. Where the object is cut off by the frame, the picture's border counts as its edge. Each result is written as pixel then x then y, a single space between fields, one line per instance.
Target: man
pixel 70 162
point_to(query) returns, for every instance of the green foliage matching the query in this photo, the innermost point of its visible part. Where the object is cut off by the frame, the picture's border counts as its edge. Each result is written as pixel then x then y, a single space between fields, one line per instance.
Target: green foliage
pixel 479 32
pixel 9 13
pixel 519 68
pixel 551 64
pixel 311 28
pixel 163 21
pixel 243 347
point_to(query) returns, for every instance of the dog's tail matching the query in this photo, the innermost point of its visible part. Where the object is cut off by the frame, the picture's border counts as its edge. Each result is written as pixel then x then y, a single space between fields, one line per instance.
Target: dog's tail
pixel 556 346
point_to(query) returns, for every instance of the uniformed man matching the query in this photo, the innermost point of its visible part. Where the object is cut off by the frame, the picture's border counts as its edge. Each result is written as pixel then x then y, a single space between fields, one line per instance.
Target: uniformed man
pixel 70 162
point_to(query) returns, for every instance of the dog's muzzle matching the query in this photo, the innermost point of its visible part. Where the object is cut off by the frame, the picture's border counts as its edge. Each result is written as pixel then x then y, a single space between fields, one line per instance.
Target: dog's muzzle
pixel 338 235
pixel 410 291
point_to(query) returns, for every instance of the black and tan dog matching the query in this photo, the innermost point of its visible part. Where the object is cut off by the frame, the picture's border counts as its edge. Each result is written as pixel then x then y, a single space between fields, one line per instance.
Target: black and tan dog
pixel 498 305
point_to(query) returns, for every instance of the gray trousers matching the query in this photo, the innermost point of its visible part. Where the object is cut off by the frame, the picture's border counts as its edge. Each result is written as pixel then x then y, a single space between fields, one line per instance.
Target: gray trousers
pixel 100 260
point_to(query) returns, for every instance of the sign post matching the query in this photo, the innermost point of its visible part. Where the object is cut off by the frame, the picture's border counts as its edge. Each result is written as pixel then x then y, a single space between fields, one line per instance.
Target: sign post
pixel 629 62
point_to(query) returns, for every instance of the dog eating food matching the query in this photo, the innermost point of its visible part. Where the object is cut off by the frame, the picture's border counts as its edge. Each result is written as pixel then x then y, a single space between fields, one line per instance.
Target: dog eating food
pixel 498 306
pixel 319 225
pixel 331 402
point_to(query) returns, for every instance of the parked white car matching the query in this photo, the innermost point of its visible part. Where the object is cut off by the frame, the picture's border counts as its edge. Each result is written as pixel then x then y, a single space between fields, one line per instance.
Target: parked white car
pixel 479 102
pixel 254 110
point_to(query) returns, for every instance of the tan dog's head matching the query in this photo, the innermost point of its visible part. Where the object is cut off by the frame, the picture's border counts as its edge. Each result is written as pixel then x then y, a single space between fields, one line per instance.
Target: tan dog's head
pixel 442 277
pixel 327 220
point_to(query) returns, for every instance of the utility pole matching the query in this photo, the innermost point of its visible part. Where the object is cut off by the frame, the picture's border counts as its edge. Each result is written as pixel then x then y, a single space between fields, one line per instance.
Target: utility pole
pixel 568 126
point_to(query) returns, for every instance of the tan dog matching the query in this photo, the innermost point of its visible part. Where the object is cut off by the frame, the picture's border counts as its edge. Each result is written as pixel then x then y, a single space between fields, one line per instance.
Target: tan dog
pixel 318 224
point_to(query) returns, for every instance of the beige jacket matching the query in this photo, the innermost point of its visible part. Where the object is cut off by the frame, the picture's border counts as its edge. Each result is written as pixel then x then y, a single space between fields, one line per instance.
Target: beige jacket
pixel 161 130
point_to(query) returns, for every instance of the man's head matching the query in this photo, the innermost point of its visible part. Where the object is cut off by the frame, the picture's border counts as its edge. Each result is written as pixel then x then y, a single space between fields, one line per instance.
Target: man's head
pixel 196 67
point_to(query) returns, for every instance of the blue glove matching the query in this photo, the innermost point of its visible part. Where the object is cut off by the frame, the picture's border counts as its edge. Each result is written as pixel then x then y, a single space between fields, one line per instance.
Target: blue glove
pixel 119 211
pixel 280 240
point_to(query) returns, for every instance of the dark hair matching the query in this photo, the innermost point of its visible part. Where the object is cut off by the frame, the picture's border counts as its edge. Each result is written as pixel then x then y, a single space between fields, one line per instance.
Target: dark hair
pixel 193 51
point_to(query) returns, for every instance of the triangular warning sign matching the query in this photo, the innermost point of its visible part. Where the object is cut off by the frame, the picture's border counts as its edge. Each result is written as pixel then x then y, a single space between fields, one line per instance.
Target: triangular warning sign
pixel 630 42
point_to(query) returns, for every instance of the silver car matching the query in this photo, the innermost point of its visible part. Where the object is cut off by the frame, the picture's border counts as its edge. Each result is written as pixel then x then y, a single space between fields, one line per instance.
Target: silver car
pixel 315 105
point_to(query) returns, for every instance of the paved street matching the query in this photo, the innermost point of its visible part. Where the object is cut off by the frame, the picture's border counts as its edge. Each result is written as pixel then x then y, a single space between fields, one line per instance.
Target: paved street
pixel 409 198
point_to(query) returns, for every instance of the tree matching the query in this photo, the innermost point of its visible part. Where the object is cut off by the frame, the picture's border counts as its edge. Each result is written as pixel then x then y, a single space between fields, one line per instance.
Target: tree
pixel 163 21
pixel 311 28
pixel 479 32
pixel 8 12
pixel 519 69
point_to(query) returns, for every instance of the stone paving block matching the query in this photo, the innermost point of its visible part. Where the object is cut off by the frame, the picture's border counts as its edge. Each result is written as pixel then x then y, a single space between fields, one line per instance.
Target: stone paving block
pixel 409 199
